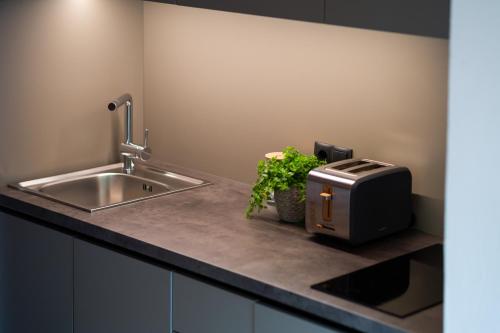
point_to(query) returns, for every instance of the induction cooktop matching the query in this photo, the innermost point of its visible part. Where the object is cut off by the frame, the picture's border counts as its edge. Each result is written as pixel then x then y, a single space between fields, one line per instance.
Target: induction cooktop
pixel 401 286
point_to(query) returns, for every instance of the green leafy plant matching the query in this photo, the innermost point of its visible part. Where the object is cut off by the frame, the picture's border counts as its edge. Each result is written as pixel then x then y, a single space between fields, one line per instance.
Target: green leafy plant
pixel 280 175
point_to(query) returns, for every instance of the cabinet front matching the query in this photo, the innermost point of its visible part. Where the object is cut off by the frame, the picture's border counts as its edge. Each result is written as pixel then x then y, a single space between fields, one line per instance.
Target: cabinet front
pixel 36 277
pixel 201 308
pixel 115 293
pixel 271 320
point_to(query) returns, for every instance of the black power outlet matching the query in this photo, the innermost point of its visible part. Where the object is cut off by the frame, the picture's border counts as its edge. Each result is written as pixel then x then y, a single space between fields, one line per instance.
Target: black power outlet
pixel 330 153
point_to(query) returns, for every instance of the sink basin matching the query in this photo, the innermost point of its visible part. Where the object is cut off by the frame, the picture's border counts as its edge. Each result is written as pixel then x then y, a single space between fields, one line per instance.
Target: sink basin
pixel 108 186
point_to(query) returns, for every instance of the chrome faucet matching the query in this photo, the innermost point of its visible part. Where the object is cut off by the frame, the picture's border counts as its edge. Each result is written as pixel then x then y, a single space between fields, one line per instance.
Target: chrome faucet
pixel 129 150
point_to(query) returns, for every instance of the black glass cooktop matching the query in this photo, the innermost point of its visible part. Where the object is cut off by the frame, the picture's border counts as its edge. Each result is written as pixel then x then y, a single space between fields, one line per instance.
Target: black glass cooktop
pixel 400 286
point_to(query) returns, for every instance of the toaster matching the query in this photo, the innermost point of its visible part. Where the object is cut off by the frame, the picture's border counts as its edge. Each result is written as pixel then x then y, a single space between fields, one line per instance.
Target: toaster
pixel 358 200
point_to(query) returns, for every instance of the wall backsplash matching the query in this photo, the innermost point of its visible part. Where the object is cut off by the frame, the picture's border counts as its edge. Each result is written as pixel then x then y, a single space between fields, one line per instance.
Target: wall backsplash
pixel 222 89
pixel 60 63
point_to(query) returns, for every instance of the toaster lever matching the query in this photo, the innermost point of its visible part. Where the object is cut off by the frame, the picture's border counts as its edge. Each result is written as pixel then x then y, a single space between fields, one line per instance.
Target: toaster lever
pixel 327 196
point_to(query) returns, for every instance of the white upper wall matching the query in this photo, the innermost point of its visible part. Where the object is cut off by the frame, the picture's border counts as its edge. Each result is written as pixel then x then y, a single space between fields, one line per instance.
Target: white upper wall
pixel 472 232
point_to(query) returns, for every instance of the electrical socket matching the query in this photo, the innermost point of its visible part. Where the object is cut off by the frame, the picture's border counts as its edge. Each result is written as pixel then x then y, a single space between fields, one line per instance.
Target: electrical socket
pixel 330 153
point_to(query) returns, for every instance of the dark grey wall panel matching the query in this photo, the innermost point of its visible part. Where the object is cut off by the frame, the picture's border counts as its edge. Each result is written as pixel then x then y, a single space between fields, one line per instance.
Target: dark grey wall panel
pixel 36 277
pixel 201 308
pixel 115 293
pixel 306 10
pixel 419 17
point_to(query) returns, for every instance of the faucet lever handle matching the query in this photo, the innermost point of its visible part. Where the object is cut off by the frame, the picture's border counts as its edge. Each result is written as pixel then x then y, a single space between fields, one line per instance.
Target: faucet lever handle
pixel 145 153
pixel 146 138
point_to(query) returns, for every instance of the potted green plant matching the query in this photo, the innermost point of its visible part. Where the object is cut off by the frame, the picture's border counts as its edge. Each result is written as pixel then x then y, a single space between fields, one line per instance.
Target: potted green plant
pixel 286 178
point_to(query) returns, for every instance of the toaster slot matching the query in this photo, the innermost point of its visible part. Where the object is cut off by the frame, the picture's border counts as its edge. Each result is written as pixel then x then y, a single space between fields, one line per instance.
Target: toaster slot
pixel 366 168
pixel 349 165
pixel 327 203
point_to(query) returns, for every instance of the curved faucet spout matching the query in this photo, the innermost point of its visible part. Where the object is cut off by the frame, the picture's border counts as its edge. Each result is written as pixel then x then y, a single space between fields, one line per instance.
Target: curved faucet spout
pixel 128 149
pixel 115 104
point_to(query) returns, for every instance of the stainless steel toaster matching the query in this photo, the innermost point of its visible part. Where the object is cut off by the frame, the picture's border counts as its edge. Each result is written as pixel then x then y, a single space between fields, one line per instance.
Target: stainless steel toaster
pixel 358 200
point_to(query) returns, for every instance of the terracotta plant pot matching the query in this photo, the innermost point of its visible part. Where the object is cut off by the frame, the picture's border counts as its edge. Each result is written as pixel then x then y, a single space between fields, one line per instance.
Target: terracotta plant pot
pixel 288 205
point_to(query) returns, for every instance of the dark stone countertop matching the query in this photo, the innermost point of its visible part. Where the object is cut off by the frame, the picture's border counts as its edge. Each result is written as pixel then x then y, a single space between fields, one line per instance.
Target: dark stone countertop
pixel 204 231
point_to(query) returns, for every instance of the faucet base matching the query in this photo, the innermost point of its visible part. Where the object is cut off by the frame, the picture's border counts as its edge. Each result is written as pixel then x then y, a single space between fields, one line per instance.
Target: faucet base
pixel 128 164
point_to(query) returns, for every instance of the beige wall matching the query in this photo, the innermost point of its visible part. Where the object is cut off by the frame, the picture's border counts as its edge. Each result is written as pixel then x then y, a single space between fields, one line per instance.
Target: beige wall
pixel 60 62
pixel 222 89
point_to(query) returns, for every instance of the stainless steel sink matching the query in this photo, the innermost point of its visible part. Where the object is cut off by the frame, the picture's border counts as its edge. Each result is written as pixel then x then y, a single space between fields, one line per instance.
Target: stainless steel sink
pixel 109 186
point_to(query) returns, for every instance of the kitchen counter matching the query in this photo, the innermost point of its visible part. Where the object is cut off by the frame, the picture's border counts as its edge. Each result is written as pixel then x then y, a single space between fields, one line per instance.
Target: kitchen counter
pixel 204 231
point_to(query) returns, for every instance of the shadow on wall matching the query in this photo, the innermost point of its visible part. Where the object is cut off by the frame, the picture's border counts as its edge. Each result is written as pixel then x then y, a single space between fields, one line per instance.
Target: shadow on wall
pixel 429 213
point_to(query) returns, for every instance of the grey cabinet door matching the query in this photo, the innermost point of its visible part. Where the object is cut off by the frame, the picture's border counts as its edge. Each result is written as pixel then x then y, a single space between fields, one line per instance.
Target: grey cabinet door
pixel 306 10
pixel 115 293
pixel 270 320
pixel 201 308
pixel 36 277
